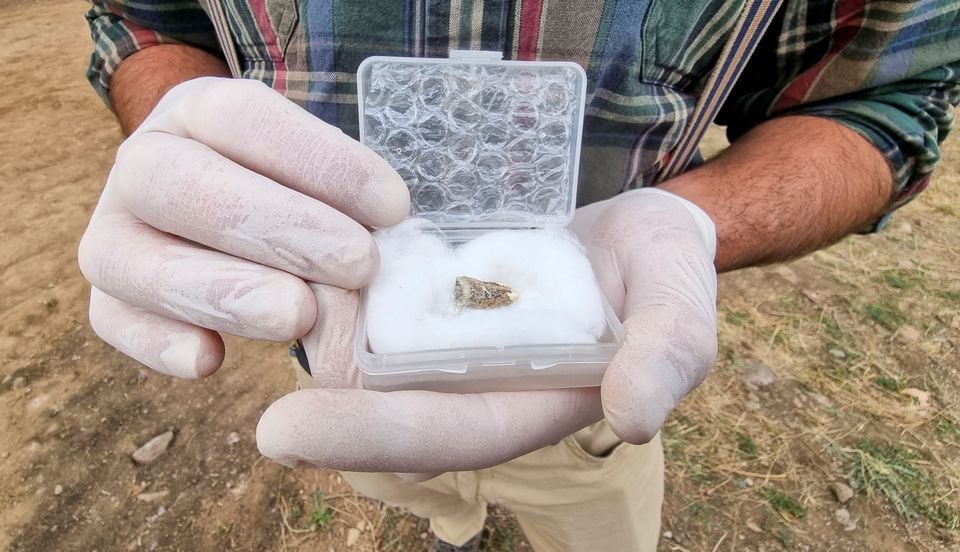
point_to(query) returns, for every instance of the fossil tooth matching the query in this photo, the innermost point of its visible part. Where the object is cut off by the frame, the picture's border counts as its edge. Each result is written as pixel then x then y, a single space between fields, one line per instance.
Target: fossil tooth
pixel 471 293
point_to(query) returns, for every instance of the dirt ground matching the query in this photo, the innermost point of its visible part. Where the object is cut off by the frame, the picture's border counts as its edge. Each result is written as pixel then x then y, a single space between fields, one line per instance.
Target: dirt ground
pixel 838 368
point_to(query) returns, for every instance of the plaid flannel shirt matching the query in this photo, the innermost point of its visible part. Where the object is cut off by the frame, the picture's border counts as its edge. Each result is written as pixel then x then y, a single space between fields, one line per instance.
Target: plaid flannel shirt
pixel 887 70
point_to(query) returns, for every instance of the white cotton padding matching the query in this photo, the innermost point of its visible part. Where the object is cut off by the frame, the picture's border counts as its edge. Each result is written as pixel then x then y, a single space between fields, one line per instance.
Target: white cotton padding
pixel 411 305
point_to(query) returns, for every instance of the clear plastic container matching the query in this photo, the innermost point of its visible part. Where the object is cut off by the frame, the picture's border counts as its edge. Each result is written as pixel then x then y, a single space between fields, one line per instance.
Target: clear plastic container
pixel 483 144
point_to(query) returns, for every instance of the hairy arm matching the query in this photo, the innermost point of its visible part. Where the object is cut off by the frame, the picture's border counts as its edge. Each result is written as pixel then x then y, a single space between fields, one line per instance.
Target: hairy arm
pixel 144 77
pixel 788 187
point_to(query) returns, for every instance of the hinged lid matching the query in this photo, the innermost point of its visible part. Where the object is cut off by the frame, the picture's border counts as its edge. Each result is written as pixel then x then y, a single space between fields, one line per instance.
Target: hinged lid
pixel 481 142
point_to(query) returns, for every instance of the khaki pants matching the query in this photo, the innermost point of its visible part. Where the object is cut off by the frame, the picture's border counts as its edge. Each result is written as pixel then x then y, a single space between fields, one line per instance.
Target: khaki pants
pixel 590 491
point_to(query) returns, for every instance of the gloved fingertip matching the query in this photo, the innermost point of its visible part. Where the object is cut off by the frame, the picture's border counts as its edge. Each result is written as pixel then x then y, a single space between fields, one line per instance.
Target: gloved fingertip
pixel 633 431
pixel 189 355
pixel 284 308
pixel 386 199
pixel 210 357
pixel 277 432
pixel 634 407
pixel 358 260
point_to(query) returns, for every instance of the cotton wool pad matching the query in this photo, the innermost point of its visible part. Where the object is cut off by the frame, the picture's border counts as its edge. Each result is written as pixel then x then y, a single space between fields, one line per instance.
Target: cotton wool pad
pixel 411 305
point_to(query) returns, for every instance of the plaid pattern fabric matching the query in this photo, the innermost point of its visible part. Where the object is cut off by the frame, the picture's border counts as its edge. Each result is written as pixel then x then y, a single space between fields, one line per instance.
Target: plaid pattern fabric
pixel 887 70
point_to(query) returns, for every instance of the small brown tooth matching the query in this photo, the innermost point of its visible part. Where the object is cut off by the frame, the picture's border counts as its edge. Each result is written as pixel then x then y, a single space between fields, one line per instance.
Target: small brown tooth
pixel 471 293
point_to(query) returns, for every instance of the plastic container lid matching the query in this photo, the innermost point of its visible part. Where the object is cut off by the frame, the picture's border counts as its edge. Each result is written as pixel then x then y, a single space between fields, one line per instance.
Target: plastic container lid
pixel 481 142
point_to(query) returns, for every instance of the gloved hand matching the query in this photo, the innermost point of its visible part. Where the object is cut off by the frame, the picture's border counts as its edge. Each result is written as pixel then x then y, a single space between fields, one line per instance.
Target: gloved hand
pixel 218 209
pixel 653 255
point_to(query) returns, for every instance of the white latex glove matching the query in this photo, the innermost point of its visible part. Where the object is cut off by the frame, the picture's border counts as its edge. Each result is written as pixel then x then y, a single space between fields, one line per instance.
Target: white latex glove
pixel 217 210
pixel 653 254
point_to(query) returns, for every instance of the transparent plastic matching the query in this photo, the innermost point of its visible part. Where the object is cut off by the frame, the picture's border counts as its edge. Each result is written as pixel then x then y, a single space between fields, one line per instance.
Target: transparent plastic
pixel 483 144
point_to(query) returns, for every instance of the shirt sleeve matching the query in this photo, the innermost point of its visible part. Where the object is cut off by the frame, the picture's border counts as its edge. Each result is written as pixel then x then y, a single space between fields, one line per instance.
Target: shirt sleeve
pixel 120 29
pixel 893 77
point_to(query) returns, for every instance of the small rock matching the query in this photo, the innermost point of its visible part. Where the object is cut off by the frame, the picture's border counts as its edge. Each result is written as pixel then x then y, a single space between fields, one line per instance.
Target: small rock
pixel 909 334
pixel 6 379
pixel 160 511
pixel 153 448
pixel 906 228
pixel 752 525
pixel 668 534
pixel 838 354
pixel 424 535
pixel 37 403
pixel 58 490
pixel 352 537
pixel 749 482
pixel 152 497
pixel 758 375
pixel 233 438
pixel 787 274
pixel 19 382
pixel 821 400
pixel 842 492
pixel 811 295
pixel 842 516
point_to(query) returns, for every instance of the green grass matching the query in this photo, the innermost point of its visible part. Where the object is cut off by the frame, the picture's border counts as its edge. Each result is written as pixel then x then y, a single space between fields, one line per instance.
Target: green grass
pixel 838 372
pixel 700 473
pixel 746 445
pixel 783 537
pixel 784 504
pixel 887 383
pixel 885 315
pixel 783 336
pixel 949 295
pixel 947 430
pixel 892 471
pixel 400 531
pixel 702 511
pixel 902 279
pixel 296 510
pixel 673 443
pixel 832 328
pixel 737 318
pixel 503 532
pixel 321 516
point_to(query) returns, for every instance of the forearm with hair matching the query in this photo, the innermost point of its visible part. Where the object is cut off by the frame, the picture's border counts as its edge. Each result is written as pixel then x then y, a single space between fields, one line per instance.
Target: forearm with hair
pixel 788 187
pixel 143 78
